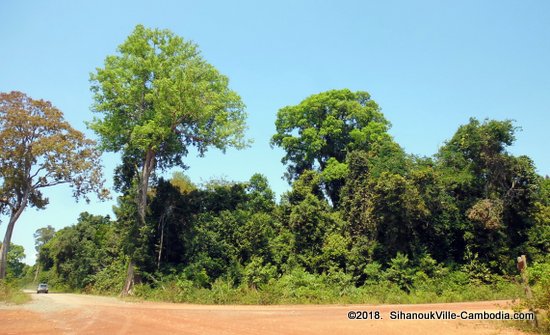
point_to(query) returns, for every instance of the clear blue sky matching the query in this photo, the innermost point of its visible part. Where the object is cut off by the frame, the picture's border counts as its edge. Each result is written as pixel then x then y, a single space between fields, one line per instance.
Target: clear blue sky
pixel 429 64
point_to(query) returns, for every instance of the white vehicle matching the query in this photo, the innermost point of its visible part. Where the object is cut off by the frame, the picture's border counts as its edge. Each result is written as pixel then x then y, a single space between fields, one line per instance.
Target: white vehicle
pixel 42 288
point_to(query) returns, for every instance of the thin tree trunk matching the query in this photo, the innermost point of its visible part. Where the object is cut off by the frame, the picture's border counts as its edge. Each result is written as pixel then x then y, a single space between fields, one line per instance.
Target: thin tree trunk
pixel 7 238
pixel 162 223
pixel 36 273
pixel 160 247
pixel 129 279
pixel 148 166
pixel 5 248
pixel 147 169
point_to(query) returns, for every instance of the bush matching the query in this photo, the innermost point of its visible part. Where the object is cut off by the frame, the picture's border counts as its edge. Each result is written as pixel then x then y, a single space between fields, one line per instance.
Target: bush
pixel 400 272
pixel 539 279
pixel 54 281
pixel 110 279
pixel 256 273
pixel 373 273
pixel 11 294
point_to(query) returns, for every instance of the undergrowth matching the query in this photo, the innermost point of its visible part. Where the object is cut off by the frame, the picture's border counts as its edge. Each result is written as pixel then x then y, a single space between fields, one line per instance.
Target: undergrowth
pixel 10 293
pixel 300 287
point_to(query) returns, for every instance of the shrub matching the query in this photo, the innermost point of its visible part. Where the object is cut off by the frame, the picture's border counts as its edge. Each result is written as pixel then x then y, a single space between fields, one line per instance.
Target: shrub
pixel 256 273
pixel 400 272
pixel 110 279
pixel 539 279
pixel 10 294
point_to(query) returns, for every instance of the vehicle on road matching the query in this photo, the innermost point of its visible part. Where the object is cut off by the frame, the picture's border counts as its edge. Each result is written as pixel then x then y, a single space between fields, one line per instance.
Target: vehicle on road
pixel 42 288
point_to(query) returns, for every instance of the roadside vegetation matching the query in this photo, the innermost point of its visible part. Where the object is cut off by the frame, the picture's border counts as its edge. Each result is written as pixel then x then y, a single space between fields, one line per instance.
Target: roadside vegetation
pixel 10 287
pixel 10 293
pixel 363 221
pixel 539 280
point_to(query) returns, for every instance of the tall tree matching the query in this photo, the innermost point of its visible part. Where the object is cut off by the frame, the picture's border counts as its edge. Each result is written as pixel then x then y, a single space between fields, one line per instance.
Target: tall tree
pixel 318 133
pixel 41 237
pixel 39 149
pixel 307 214
pixel 158 97
pixel 496 191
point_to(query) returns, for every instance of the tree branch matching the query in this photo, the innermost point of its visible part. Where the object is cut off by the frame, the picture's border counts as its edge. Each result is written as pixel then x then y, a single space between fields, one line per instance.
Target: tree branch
pixel 51 184
pixel 6 202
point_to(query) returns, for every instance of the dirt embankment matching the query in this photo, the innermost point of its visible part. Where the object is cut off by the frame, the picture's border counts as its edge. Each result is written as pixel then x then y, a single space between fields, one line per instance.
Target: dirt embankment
pixel 77 314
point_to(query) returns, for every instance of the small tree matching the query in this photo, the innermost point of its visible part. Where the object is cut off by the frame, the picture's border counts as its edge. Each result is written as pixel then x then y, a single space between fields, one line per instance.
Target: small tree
pixel 39 149
pixel 15 264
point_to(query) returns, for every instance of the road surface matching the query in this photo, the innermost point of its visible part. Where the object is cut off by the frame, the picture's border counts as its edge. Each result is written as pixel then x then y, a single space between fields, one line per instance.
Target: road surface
pixel 57 313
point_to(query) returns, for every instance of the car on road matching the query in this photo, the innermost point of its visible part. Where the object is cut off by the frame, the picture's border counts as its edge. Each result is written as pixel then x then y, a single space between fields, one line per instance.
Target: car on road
pixel 42 288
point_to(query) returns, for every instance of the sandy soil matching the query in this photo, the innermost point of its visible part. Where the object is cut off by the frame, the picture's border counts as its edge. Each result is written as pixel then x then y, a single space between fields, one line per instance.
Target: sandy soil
pixel 78 314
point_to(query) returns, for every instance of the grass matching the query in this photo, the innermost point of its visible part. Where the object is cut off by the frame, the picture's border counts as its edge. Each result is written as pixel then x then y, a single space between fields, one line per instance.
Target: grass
pixel 12 295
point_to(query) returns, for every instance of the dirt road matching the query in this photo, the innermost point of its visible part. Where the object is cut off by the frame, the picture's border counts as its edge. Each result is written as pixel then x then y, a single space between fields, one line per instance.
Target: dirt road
pixel 78 314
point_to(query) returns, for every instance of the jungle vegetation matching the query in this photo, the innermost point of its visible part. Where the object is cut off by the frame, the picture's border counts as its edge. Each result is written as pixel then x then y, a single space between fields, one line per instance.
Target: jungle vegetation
pixel 363 221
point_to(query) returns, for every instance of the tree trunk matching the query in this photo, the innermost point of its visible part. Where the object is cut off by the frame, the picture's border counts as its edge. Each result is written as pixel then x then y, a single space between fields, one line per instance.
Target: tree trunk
pixel 143 187
pixel 162 222
pixel 36 272
pixel 4 249
pixel 148 167
pixel 160 246
pixel 15 214
pixel 129 279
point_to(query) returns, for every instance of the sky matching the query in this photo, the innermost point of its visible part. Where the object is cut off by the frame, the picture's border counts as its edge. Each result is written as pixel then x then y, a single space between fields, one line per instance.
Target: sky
pixel 430 65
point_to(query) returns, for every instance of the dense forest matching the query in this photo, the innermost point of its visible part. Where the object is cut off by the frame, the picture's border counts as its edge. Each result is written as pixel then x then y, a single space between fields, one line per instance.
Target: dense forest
pixel 360 213
pixel 363 221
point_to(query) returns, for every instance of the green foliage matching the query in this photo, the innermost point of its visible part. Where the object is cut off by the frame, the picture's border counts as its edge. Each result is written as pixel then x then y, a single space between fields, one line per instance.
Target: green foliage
pixel 146 80
pixel 400 272
pixel 11 294
pixel 539 278
pixel 335 252
pixel 301 287
pixel 260 196
pixel 373 273
pixel 42 236
pixel 320 131
pixel 78 255
pixel 16 267
pixel 494 191
pixel 357 197
pixel 182 182
pixel 538 244
pixel 39 149
pixel 308 217
pixel 109 279
pixel 159 95
pixel 362 223
pixel 478 272
pixel 256 273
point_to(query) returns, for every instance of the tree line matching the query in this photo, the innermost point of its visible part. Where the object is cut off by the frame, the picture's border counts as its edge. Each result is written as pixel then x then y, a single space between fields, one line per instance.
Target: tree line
pixel 472 206
pixel 360 209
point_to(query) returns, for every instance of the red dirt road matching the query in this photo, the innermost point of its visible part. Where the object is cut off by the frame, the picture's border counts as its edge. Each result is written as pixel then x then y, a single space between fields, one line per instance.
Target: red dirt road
pixel 79 314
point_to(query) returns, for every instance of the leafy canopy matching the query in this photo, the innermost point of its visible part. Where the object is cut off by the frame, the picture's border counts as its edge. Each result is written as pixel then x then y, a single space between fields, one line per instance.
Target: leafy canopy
pixel 38 149
pixel 159 94
pixel 42 236
pixel 318 133
pixel 327 125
